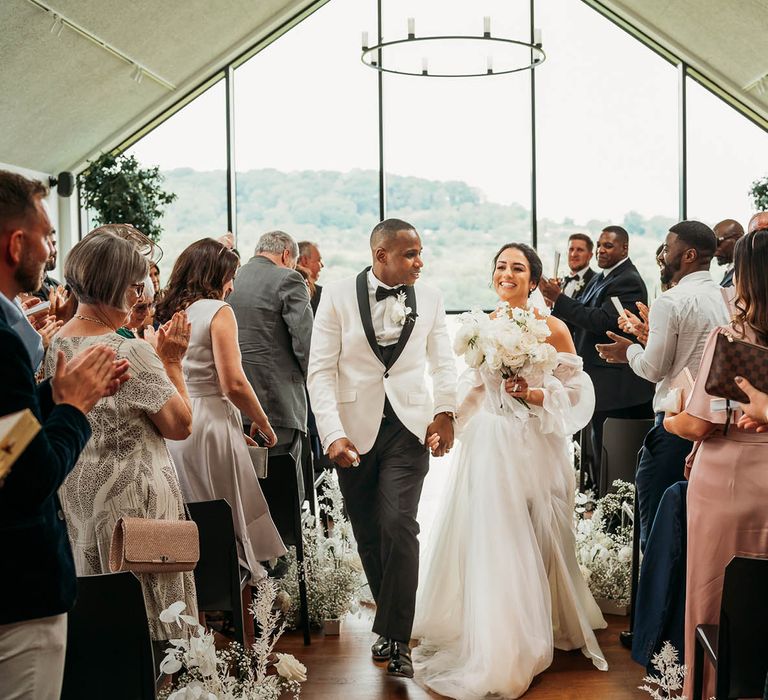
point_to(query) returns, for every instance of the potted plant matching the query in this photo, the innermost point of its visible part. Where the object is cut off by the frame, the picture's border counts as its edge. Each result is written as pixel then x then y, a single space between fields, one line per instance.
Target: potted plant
pixel 118 190
pixel 759 194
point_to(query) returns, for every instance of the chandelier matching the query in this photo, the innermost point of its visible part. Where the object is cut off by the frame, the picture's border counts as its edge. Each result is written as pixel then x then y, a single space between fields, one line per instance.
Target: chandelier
pixel 453 56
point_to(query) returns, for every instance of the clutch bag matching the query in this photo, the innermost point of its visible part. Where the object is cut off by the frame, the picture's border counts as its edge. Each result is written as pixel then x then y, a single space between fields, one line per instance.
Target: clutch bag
pixel 146 545
pixel 259 459
pixel 733 357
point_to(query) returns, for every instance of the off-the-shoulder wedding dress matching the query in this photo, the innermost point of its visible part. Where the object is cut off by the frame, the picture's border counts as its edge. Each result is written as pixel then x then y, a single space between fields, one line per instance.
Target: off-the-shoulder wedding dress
pixel 500 586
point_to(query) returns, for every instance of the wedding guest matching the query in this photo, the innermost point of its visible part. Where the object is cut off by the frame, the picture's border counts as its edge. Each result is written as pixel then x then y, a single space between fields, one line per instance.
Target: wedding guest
pixel 38 585
pixel 580 251
pixel 125 470
pixel 142 311
pixel 213 462
pixel 758 221
pixel 154 275
pixel 728 232
pixel 619 392
pixel 678 327
pixel 274 323
pixel 311 260
pixel 728 482
pixel 49 284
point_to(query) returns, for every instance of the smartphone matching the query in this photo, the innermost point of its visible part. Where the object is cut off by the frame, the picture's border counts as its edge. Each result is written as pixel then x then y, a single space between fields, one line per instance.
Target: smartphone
pixel 37 308
pixel 557 265
pixel 617 305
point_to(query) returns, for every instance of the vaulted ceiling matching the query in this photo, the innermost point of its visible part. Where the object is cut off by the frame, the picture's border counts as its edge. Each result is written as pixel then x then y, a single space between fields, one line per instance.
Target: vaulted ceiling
pixel 66 84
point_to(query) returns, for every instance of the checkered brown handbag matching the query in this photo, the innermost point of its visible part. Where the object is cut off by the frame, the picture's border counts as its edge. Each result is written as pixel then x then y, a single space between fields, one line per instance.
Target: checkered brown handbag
pixel 732 358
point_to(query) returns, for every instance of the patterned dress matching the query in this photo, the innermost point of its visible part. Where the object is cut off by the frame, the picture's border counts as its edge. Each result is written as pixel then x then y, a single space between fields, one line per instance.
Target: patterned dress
pixel 124 470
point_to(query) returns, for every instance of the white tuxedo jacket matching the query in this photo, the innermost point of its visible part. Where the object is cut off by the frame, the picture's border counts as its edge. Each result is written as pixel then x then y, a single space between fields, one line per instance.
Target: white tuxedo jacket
pixel 348 380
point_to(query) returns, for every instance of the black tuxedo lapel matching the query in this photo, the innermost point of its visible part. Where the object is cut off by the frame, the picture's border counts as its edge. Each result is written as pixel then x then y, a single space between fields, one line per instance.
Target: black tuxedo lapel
pixel 364 304
pixel 593 288
pixel 410 322
pixel 589 275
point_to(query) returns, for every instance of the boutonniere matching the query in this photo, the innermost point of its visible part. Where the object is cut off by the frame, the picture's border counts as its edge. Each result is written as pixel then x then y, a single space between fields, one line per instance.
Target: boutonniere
pixel 579 285
pixel 400 313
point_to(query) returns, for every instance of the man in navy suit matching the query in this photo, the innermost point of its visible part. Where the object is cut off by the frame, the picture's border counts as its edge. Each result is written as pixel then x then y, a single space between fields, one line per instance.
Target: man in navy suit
pixel 38 583
pixel 727 233
pixel 619 392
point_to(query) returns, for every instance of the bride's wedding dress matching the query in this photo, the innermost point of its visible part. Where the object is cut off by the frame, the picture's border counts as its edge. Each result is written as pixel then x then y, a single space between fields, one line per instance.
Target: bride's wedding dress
pixel 500 585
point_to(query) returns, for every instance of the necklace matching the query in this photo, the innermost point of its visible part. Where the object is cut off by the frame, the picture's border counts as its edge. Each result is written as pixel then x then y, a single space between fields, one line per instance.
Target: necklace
pixel 94 320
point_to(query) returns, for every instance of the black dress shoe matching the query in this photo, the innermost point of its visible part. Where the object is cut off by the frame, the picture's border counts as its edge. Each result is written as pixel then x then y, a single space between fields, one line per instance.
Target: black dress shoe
pixel 400 663
pixel 380 649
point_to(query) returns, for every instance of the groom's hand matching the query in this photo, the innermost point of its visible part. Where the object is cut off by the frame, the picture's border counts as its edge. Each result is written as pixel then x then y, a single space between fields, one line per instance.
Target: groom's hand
pixel 340 452
pixel 442 425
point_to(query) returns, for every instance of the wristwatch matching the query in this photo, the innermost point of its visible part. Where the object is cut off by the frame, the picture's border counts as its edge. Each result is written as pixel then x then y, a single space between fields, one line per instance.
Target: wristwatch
pixel 450 414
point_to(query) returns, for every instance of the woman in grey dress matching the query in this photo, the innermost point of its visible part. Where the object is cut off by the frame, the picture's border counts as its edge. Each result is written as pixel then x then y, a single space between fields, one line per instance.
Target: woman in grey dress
pixel 213 462
pixel 125 469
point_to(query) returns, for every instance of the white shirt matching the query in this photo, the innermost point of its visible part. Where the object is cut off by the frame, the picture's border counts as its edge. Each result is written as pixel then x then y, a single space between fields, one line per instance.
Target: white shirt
pixel 608 270
pixel 576 283
pixel 679 323
pixel 387 331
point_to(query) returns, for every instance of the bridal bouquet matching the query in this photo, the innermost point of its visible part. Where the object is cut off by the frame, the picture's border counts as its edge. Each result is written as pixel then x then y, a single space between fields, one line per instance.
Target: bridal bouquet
pixel 512 343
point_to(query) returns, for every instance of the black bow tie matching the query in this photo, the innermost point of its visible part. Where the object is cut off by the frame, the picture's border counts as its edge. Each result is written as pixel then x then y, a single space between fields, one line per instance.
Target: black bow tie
pixel 382 292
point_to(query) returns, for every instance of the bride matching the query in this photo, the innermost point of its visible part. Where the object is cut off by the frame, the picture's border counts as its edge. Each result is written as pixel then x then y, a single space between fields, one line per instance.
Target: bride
pixel 501 587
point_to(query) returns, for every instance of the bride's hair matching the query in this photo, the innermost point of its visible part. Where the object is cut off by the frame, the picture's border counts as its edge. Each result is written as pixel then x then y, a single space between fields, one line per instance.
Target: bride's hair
pixel 534 261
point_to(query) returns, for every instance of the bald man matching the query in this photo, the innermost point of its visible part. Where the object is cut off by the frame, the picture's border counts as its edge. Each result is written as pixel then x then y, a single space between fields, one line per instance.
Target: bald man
pixel 758 222
pixel 727 233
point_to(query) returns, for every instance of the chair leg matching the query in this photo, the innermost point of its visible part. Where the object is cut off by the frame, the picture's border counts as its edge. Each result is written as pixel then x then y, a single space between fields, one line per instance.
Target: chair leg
pixel 635 575
pixel 698 670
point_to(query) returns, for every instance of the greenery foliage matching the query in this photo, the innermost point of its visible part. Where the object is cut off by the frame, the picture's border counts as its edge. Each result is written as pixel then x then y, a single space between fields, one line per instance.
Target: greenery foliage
pixel 759 194
pixel 460 228
pixel 118 190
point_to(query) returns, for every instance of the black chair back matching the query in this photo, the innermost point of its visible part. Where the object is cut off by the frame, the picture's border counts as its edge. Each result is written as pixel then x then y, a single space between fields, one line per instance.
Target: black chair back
pixel 622 440
pixel 109 651
pixel 217 575
pixel 742 647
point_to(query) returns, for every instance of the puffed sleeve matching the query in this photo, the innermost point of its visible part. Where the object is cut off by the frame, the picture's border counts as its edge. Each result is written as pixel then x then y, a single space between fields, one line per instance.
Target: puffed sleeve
pixel 699 402
pixel 469 394
pixel 569 397
pixel 149 387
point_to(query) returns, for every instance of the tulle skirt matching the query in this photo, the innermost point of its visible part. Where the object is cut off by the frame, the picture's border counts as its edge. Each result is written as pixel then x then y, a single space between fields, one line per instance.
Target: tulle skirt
pixel 500 585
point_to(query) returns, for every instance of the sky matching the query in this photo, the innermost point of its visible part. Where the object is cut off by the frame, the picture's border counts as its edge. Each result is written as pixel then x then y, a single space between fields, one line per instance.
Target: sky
pixel 606 121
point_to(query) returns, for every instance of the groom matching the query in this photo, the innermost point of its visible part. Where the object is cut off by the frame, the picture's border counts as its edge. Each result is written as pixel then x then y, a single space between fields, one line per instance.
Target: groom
pixel 372 339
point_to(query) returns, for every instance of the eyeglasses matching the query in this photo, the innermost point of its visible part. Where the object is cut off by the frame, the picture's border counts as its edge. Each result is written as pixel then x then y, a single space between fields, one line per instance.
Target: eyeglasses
pixel 138 288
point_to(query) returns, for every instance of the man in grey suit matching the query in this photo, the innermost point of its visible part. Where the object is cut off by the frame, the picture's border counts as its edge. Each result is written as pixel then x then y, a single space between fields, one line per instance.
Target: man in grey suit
pixel 274 324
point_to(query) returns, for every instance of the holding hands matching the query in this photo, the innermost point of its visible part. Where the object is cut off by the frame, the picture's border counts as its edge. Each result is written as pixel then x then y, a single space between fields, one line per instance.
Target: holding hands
pixel 439 437
pixel 343 453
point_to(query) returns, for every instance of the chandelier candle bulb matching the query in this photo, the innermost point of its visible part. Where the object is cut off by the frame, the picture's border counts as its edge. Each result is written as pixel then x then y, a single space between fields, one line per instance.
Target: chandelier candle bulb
pixel 411 27
pixel 424 65
pixel 489 64
pixel 486 26
pixel 537 37
pixel 365 40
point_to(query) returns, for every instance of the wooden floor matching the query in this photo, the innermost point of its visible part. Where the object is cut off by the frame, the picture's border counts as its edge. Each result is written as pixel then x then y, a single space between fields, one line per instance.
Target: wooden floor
pixel 341 668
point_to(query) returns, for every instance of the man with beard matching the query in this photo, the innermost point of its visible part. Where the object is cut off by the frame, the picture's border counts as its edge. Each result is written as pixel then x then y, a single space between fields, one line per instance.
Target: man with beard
pixel 679 323
pixel 727 233
pixel 49 284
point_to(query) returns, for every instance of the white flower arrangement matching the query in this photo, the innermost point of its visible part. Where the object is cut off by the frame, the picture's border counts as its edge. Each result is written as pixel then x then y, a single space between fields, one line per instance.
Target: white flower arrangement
pixel 512 343
pixel 604 542
pixel 671 674
pixel 332 566
pixel 233 673
pixel 399 313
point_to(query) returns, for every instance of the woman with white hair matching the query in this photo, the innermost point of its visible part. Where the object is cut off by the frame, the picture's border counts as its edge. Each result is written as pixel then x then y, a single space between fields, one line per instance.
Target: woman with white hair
pixel 125 469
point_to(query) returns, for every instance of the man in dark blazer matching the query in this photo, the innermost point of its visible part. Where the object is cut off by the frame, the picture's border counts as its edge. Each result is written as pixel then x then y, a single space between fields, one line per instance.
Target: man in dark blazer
pixel 580 251
pixel 311 260
pixel 38 583
pixel 619 392
pixel 727 233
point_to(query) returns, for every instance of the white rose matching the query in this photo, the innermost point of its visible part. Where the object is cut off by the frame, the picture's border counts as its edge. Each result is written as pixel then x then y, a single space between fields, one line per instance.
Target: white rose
pixel 398 314
pixel 625 554
pixel 464 335
pixel 474 356
pixel 290 668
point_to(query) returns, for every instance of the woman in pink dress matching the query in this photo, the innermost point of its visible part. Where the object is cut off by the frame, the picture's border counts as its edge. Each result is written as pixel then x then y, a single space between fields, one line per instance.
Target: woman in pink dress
pixel 728 489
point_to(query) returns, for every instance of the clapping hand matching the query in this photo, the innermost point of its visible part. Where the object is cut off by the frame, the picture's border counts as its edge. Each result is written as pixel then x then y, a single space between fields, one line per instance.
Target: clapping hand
pixel 90 376
pixel 638 327
pixel 48 329
pixel 615 352
pixel 550 288
pixel 173 338
pixel 62 304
